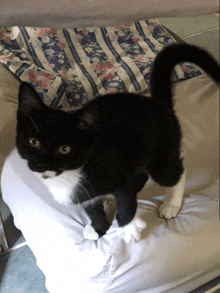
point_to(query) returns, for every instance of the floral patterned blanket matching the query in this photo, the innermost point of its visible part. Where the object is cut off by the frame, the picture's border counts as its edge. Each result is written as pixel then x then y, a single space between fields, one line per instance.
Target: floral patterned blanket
pixel 68 67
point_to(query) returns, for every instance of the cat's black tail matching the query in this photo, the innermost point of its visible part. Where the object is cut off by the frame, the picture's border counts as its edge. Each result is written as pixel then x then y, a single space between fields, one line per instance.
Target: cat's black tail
pixel 161 77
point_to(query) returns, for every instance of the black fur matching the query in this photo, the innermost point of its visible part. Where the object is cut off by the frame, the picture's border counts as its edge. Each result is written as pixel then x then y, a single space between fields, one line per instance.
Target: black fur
pixel 117 139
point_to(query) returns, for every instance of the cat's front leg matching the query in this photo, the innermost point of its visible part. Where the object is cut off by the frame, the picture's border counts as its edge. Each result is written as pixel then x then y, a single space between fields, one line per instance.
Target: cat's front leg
pixel 129 225
pixel 99 224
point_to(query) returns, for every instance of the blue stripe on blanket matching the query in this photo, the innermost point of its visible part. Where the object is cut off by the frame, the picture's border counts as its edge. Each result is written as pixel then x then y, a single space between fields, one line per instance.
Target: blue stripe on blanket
pixel 119 60
pixel 99 56
pixel 147 40
pixel 22 69
pixel 60 93
pixel 30 47
pixel 79 62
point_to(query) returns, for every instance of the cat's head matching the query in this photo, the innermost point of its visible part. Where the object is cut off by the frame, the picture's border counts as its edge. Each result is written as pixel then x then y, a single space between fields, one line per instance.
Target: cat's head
pixel 50 140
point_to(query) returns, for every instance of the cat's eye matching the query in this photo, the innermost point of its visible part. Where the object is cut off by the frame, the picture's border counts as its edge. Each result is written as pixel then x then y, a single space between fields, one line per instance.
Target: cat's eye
pixel 64 149
pixel 34 143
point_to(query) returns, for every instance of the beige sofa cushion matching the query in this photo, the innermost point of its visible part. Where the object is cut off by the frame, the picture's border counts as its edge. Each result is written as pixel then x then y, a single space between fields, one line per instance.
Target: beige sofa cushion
pixel 9 85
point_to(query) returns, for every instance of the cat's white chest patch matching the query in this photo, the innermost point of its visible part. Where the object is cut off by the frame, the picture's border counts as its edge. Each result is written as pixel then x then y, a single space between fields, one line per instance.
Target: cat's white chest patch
pixel 62 186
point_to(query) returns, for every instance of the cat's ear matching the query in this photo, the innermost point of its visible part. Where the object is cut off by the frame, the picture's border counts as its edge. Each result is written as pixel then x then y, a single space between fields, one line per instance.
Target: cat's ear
pixel 29 99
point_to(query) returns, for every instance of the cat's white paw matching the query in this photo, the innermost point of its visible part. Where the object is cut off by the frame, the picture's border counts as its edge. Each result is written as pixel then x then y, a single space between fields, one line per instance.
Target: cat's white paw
pixel 90 233
pixel 168 211
pixel 132 231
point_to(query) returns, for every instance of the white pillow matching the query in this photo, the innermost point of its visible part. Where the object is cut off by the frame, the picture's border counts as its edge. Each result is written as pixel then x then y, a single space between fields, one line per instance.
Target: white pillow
pixel 173 256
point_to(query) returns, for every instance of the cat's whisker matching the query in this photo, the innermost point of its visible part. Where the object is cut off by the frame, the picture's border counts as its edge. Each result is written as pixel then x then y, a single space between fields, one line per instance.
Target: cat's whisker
pixel 76 197
pixel 33 123
pixel 85 190
pixel 87 181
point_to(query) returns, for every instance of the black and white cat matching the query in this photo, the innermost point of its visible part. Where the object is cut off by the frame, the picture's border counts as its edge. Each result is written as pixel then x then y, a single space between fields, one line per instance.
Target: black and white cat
pixel 111 146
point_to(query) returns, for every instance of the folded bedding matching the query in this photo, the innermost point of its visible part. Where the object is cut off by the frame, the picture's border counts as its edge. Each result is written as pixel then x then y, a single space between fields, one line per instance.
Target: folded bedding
pixel 68 67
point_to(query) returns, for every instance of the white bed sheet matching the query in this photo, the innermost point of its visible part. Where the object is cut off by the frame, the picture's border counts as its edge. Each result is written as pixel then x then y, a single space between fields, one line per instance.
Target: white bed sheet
pixel 176 255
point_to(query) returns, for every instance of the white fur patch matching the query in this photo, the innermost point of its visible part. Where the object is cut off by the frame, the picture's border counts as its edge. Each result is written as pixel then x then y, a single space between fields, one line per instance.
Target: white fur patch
pixel 62 186
pixel 50 173
pixel 132 232
pixel 90 233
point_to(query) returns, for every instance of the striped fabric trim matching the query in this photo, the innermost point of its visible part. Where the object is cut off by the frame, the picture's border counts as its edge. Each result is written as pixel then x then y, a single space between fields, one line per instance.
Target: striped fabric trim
pixel 113 60
pixel 142 34
pixel 68 67
pixel 21 69
pixel 30 46
pixel 79 62
pixel 124 65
